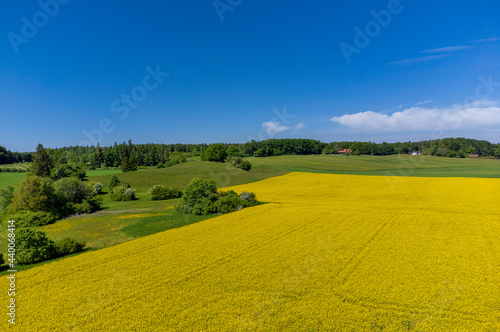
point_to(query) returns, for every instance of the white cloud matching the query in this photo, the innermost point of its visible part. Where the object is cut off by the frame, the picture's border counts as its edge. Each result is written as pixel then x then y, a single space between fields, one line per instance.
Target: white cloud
pixel 477 115
pixel 447 49
pixel 421 59
pixel 483 103
pixel 424 102
pixel 274 127
pixel 486 40
pixel 299 126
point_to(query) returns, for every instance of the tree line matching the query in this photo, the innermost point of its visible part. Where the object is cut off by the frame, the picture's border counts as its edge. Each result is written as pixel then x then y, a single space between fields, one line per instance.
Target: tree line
pixel 168 154
pixel 9 157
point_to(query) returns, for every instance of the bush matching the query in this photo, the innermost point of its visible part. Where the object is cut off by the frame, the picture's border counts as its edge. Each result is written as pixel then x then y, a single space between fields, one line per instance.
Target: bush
pixel 72 190
pixel 160 165
pixel 6 197
pixel 48 201
pixel 215 152
pixel 66 170
pixel 96 187
pixel 235 161
pixel 248 198
pixel 33 246
pixel 113 182
pixel 88 205
pixel 34 194
pixel 74 196
pixel 240 163
pixel 233 150
pixel 201 198
pixel 172 162
pixel 68 246
pixel 14 170
pixel 245 165
pixel 123 192
pixel 228 201
pixel 29 218
pixel 160 192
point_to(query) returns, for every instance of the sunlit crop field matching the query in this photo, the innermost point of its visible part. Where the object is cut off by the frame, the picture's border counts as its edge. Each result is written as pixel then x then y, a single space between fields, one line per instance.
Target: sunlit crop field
pixel 327 252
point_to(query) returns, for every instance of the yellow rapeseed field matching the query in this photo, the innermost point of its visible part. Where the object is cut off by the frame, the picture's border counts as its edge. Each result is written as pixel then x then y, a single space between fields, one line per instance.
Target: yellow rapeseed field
pixel 327 252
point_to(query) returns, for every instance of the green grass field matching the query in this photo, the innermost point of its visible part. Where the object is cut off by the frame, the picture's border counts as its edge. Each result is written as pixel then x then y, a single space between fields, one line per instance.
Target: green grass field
pixel 13 179
pixel 396 165
pixel 225 175
pixel 180 175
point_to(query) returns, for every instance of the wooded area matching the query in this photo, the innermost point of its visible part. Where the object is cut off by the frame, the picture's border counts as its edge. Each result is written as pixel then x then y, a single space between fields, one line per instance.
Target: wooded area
pixel 153 154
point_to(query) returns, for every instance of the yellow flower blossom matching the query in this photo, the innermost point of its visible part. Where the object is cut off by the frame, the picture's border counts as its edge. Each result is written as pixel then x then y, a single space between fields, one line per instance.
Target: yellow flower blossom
pixel 326 253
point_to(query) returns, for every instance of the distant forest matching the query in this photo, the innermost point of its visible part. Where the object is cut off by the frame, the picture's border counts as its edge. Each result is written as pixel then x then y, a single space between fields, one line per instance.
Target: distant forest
pixel 153 154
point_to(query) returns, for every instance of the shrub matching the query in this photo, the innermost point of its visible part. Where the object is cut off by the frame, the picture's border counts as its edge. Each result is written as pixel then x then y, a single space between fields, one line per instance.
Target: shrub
pixel 74 196
pixel 235 161
pixel 178 160
pixel 66 170
pixel 248 198
pixel 14 170
pixel 33 246
pixel 88 205
pixel 6 197
pixel 72 190
pixel 228 201
pixel 49 200
pixel 245 165
pixel 34 194
pixel 233 150
pixel 113 182
pixel 201 197
pixel 240 163
pixel 200 188
pixel 171 162
pixel 123 192
pixel 68 246
pixel 215 152
pixel 97 188
pixel 29 218
pixel 160 165
pixel 160 192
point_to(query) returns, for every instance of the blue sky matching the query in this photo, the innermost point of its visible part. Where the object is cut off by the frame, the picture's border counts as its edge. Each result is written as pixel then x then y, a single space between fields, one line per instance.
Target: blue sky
pixel 77 72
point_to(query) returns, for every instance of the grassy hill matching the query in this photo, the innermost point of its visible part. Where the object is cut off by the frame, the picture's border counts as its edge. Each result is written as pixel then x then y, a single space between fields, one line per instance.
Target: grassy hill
pixel 180 175
pixel 396 165
pixel 263 168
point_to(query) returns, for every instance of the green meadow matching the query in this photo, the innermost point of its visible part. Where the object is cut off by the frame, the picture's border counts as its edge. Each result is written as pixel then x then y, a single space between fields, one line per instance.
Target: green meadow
pixel 395 165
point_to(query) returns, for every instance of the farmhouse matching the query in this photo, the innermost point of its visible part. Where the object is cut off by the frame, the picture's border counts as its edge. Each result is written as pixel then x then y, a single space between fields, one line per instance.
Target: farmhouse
pixel 344 151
